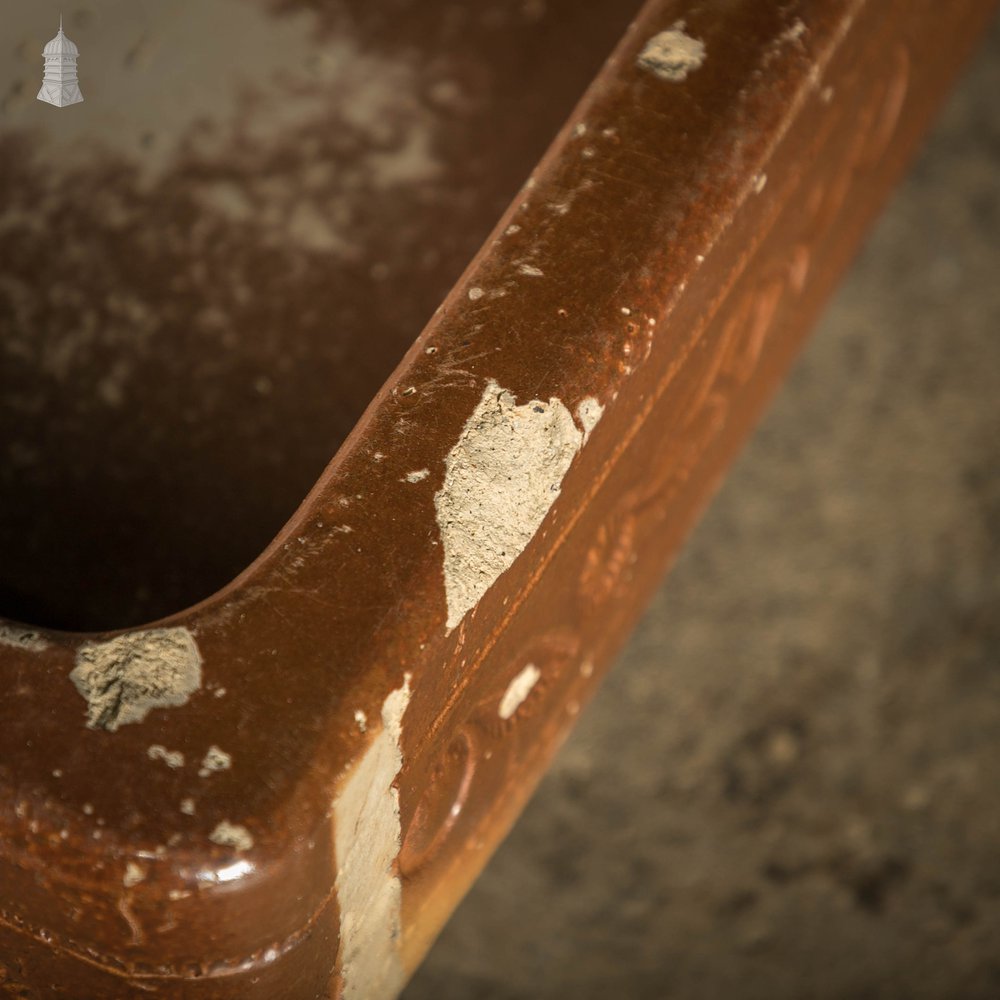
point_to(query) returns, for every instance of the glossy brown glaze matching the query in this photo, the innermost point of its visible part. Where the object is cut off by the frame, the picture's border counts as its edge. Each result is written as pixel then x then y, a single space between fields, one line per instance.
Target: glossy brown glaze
pixel 668 255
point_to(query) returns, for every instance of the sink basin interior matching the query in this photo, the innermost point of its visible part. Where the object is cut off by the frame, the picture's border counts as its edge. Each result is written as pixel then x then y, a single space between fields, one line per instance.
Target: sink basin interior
pixel 209 267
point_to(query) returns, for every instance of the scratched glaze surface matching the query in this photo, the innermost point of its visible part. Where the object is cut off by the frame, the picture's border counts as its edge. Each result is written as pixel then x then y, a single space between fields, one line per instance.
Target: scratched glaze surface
pixel 196 813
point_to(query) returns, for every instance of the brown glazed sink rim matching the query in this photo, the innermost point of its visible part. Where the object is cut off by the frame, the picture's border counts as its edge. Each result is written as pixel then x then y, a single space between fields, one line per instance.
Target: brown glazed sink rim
pixel 278 860
pixel 353 461
pixel 347 607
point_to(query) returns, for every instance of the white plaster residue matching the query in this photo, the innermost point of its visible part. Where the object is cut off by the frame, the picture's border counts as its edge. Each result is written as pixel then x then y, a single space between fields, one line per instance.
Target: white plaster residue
pixel 672 54
pixel 125 677
pixel 367 841
pixel 501 478
pixel 475 293
pixel 530 271
pixel 416 477
pixel 361 719
pixel 588 413
pixel 232 835
pixel 22 638
pixel 519 689
pixel 214 760
pixel 187 807
pixel 172 758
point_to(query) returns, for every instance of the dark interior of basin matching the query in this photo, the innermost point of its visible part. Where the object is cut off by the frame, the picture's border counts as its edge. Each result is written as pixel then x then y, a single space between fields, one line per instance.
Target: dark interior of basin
pixel 209 267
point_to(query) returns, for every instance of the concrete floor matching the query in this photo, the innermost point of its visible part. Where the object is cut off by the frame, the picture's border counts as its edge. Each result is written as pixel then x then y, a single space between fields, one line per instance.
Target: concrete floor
pixel 788 786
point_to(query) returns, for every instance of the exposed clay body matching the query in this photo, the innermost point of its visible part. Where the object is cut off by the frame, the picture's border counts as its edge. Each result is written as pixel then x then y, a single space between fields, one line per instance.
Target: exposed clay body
pixel 20 638
pixel 214 760
pixel 366 819
pixel 172 758
pixel 124 678
pixel 501 479
pixel 518 690
pixel 232 835
pixel 134 874
pixel 672 55
pixel 589 412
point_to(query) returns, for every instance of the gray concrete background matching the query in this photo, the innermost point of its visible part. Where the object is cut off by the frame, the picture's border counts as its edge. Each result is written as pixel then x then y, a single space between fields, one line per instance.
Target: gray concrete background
pixel 788 786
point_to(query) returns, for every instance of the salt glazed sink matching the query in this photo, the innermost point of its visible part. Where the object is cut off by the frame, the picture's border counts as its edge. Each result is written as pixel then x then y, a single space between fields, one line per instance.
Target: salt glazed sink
pixel 362 367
